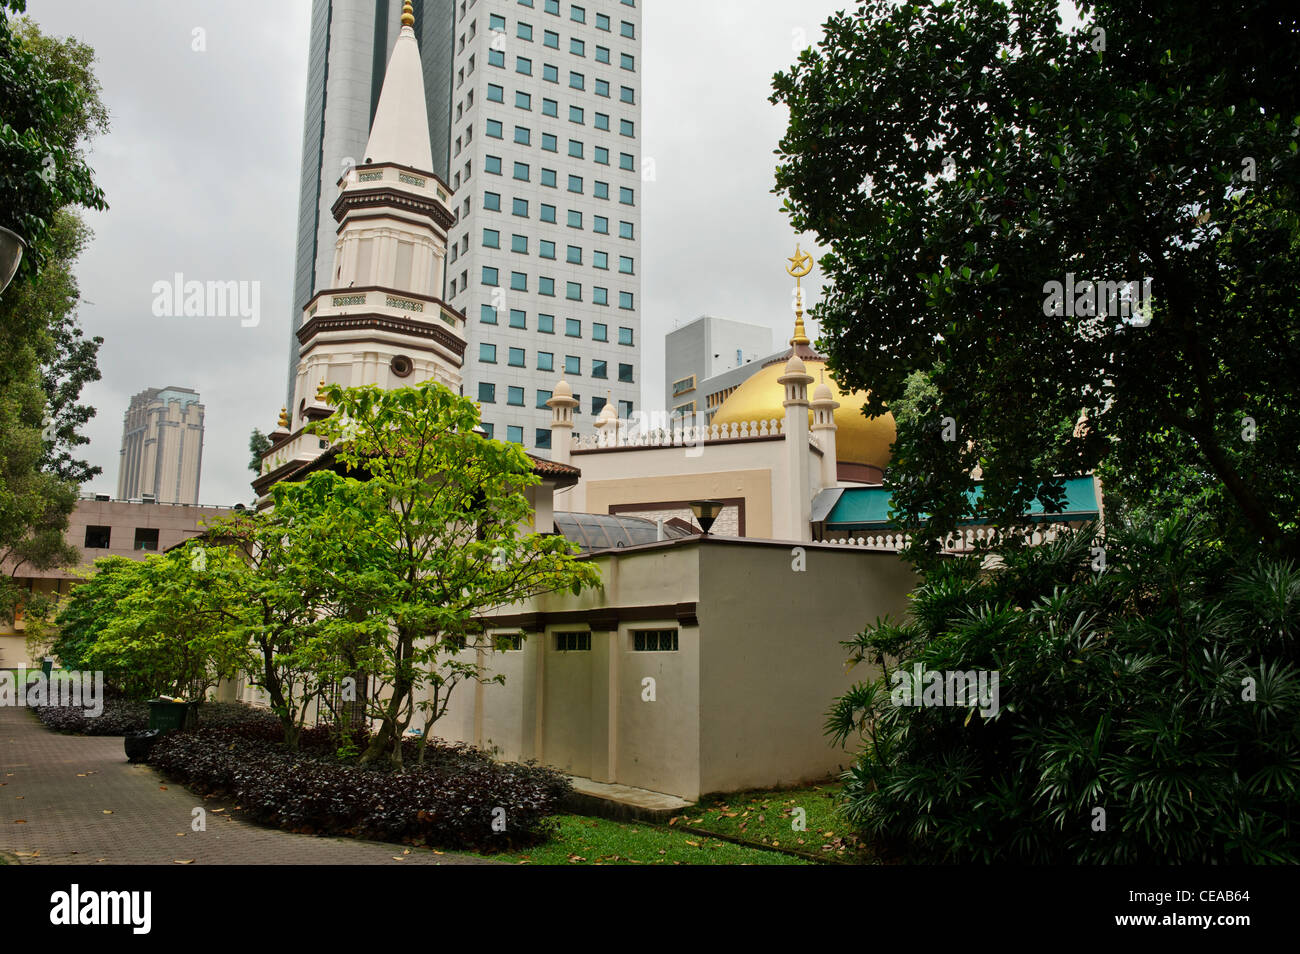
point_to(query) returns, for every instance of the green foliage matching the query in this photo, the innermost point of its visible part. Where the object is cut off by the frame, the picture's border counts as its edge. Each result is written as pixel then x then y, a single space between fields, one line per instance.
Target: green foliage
pixel 258 444
pixel 1163 690
pixel 956 157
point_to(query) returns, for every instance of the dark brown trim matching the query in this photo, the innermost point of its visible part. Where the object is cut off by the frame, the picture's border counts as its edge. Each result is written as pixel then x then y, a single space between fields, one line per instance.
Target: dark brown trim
pixel 320 324
pixel 859 473
pixel 737 502
pixel 386 195
pixel 360 216
pixel 605 620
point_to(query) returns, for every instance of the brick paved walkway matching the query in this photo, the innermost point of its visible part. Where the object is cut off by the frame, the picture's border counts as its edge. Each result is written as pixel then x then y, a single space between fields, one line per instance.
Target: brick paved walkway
pixel 67 799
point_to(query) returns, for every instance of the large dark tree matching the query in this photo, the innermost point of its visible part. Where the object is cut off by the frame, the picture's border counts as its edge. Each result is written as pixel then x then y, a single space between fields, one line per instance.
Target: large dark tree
pixel 958 157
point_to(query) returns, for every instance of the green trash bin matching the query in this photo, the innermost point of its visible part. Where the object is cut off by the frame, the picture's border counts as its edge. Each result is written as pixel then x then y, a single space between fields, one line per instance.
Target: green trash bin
pixel 167 715
pixel 47 665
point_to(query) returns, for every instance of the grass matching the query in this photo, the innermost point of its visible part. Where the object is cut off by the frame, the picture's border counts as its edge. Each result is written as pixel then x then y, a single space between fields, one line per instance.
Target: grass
pixel 769 818
pixel 581 840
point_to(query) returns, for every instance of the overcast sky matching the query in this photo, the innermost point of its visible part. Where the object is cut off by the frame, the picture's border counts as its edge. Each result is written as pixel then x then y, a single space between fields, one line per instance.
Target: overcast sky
pixel 201 169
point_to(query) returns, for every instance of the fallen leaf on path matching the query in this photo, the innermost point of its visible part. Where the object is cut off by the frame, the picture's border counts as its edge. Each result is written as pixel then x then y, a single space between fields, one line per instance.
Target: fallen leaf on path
pixel 184 861
pixel 108 811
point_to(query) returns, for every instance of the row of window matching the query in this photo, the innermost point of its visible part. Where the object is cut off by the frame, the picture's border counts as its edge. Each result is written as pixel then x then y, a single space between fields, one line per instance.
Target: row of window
pixel 542 435
pixel 523 136
pixel 551 107
pixel 546 325
pixel 546 288
pixel 546 249
pixel 551 72
pixel 517 358
pixel 547 213
pixel 100 538
pixel 549 178
pixel 576 13
pixel 551 39
pixel 643 640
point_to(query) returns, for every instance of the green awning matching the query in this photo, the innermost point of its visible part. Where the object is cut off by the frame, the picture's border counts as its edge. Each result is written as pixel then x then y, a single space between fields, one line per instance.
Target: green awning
pixel 867 508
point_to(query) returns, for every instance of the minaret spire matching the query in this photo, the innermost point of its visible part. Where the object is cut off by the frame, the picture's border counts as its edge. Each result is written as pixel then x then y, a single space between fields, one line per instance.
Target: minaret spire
pixel 400 132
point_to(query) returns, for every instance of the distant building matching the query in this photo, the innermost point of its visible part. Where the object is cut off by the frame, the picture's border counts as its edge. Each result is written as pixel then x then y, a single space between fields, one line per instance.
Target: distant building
pixel 162 447
pixel 704 348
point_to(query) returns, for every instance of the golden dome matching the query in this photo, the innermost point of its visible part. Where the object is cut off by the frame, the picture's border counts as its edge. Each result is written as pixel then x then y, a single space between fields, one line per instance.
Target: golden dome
pixel 858 439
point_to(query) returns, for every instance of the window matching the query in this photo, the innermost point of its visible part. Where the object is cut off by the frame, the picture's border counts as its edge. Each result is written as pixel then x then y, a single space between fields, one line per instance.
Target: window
pixel 545 286
pixel 600 260
pixel 489 275
pixel 492 164
pixel 548 213
pixel 524 31
pixel 515 358
pixel 654 640
pixel 542 397
pixel 627 61
pixel 521 171
pixel 601 190
pixel 577 47
pixel 496 94
pixel 487 353
pixel 627 94
pixel 523 101
pixel 515 435
pixel 572 364
pixel 577 81
pixel 575 184
pixel 627 161
pixel 97 538
pixel 518 281
pixel 488 429
pixel 523 136
pixel 600 224
pixel 627 29
pixel 496 58
pixel 625 336
pixel 551 39
pixel 574 256
pixel 553 6
pixel 515 397
pixel 497 22
pixel 602 155
pixel 572 328
pixel 573 642
pixel 602 54
pixel 546 249
pixel 550 108
pixel 545 361
pixel 602 87
pixel 492 201
pixel 550 73
pixel 625 264
pixel 518 318
pixel 573 291
pixel 494 128
pixel 543 438
pixel 626 127
pixel 575 115
pixel 602 22
pixel 510 642
pixel 599 332
pixel 487 393
pixel 487 315
pixel 602 122
pixel 625 195
pixel 625 409
pixel 146 538
pixel 491 238
pixel 578 14
pixel 523 65
pixel 575 219
pixel 625 230
pixel 625 373
pixel 625 300
pixel 519 207
pixel 598 405
pixel 575 148
pixel 549 142
pixel 519 243
pixel 598 370
pixel 599 296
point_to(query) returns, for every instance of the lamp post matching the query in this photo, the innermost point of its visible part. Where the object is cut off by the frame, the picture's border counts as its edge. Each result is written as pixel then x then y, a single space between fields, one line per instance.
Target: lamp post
pixel 706 511
pixel 11 254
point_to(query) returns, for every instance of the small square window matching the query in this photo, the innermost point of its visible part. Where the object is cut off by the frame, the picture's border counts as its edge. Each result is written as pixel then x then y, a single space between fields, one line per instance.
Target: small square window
pixel 626 195
pixel 519 243
pixel 599 296
pixel 514 434
pixel 577 47
pixel 625 265
pixel 575 184
pixel 600 190
pixel 492 164
pixel 625 230
pixel 626 127
pixel 575 219
pixel 495 93
pixel 515 358
pixel 545 362
pixel 599 332
pixel 602 156
pixel 523 135
pixel 546 248
pixel 602 22
pixel 575 114
pixel 548 213
pixel 492 201
pixel 97 538
pixel 524 32
pixel 572 364
pixel 518 281
pixel 543 439
pixel 553 7
pixel 602 121
pixel 549 142
pixel 572 326
pixel 496 58
pixel 600 260
pixel 625 336
pixel 497 22
pixel 519 207
pixel 598 370
pixel 627 94
pixel 491 238
pixel 602 54
pixel 574 256
pixel 550 73
pixel 523 65
pixel 542 397
pixel 518 318
pixel 550 108
pixel 546 286
pixel 494 128
pixel 523 101
pixel 625 300
pixel 488 429
pixel 551 39
pixel 546 324
pixel 515 396
pixel 602 87
pixel 575 148
pixel 600 224
pixel 577 81
pixel 489 275
pixel 487 315
pixel 487 353
pixel 627 29
pixel 578 14
pixel 573 292
pixel 521 171
pixel 487 393
pixel 627 61
pixel 625 373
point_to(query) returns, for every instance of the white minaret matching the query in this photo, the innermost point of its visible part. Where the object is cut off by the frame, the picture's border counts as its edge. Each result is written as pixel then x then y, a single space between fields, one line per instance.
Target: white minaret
pixel 381 319
pixel 562 404
pixel 823 428
pixel 798 509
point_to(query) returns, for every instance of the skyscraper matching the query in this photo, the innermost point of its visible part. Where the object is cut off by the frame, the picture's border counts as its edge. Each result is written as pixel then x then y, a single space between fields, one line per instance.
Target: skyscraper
pixel 350 44
pixel 162 446
pixel 544 256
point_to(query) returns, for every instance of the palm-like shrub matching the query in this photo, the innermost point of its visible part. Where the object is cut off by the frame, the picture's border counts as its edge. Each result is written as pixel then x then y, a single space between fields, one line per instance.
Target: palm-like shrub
pixel 1163 690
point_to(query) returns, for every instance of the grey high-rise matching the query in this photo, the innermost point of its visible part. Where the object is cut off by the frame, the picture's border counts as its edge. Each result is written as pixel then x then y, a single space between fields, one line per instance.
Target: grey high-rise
pixel 350 44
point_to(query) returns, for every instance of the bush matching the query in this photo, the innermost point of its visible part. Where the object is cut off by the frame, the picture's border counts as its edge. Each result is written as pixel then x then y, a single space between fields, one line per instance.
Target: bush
pixel 1164 691
pixel 449 802
pixel 122 716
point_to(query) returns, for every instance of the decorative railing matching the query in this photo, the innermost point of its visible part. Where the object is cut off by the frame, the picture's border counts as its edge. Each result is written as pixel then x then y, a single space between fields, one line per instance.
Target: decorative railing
pixel 691 436
pixel 961 541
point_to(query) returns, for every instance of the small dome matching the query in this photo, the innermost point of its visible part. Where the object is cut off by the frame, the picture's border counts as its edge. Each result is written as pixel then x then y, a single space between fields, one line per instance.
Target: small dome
pixel 794 365
pixel 563 390
pixel 823 392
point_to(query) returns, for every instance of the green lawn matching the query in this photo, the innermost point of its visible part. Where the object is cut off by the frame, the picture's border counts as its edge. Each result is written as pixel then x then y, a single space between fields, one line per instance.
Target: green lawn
pixel 581 840
pixel 768 817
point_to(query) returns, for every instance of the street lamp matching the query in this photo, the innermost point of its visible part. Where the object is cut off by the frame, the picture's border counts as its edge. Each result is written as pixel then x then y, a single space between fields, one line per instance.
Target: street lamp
pixel 11 254
pixel 706 511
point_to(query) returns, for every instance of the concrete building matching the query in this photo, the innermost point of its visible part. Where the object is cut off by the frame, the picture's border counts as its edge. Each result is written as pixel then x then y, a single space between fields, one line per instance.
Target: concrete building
pixel 350 43
pixel 102 527
pixel 545 253
pixel 701 350
pixel 162 447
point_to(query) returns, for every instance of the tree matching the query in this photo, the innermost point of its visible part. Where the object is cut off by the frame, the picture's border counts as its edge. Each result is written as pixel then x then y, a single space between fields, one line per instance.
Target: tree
pixel 440 531
pixel 959 158
pixel 90 606
pixel 258 445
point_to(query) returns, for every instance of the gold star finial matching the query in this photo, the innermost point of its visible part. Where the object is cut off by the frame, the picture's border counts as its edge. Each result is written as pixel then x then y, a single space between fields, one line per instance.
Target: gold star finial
pixel 408 15
pixel 801 264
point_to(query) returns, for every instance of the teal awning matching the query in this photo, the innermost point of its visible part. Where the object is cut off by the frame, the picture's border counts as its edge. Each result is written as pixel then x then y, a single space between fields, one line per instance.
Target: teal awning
pixel 867 508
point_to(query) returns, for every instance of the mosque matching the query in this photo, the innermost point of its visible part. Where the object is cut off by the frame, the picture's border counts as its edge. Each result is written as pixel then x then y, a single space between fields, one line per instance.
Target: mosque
pixel 735 556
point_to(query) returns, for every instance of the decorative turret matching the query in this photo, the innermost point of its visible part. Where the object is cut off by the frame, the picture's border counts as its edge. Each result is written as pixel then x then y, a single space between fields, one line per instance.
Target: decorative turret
pixel 562 403
pixel 824 428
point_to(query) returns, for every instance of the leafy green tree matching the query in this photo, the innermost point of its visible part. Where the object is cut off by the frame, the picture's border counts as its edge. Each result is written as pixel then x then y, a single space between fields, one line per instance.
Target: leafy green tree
pixel 441 531
pixel 959 157
pixel 90 606
pixel 258 444
pixel 1146 714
